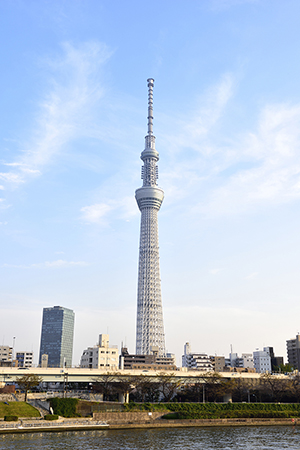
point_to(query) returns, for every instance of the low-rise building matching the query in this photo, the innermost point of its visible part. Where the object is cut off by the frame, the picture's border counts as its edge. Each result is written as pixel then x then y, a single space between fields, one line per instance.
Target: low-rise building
pixel 262 360
pixel 293 352
pixel 245 361
pixel 218 363
pixel 196 361
pixel 147 362
pixel 25 359
pixel 101 355
pixel 276 361
pixel 6 353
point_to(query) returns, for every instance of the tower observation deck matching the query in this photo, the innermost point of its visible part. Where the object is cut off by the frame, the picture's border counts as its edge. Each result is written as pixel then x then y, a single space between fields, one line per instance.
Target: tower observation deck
pixel 150 329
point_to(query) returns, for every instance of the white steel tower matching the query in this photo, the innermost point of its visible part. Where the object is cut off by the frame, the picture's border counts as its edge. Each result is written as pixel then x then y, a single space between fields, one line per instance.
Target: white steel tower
pixel 150 328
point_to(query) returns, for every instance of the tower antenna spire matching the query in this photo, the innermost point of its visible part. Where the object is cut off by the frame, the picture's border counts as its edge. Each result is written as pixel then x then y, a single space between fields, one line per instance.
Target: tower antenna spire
pixel 150 82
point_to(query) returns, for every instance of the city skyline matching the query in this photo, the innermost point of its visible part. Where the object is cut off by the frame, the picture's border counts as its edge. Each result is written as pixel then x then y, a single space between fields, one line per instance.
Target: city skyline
pixel 227 116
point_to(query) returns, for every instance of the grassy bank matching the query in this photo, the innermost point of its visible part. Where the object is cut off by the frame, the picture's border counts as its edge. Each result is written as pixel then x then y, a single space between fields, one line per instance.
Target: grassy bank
pixel 20 409
pixel 183 411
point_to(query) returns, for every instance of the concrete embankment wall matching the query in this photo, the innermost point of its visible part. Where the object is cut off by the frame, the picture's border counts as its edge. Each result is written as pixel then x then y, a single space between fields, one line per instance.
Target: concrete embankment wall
pixel 35 426
pixel 128 417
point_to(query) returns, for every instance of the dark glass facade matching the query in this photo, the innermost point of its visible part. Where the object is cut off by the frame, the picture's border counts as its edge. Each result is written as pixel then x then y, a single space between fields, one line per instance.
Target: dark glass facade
pixel 57 336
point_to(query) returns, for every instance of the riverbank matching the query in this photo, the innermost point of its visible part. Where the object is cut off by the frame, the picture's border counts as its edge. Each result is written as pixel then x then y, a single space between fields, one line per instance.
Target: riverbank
pixel 34 426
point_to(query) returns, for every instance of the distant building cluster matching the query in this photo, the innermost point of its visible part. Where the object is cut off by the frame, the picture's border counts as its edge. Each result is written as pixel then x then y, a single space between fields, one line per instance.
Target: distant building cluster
pixel 56 349
pixel 260 361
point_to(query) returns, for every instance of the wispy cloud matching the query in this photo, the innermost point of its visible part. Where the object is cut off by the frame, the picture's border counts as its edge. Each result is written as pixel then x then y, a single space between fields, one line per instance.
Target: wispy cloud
pixel 251 276
pixel 273 173
pixel 209 108
pixel 99 213
pixel 215 271
pixel 48 265
pixel 62 114
pixel 96 213
pixel 220 5
pixel 194 155
pixel 233 174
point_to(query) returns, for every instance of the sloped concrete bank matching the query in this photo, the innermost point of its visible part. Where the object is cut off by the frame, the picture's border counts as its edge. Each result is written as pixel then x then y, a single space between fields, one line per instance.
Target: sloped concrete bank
pixel 32 426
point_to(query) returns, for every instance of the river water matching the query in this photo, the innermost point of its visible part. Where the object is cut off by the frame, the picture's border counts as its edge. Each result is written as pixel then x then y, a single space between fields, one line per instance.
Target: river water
pixel 214 438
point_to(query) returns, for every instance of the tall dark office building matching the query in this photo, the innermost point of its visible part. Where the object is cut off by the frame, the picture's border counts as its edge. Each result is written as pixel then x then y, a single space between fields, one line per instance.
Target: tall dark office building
pixel 57 336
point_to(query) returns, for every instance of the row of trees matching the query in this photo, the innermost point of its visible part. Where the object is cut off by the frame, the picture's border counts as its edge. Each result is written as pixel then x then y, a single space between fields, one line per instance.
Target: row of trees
pixel 209 388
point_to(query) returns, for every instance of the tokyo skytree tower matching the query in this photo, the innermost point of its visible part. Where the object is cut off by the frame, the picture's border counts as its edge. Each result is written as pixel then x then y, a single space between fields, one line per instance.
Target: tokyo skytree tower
pixel 150 328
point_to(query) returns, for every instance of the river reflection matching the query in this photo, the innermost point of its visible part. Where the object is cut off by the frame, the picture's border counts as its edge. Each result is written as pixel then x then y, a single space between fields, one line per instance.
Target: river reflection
pixel 214 438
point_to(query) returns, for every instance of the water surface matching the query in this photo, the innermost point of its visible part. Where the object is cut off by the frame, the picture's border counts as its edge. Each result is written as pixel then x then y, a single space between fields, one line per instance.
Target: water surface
pixel 214 438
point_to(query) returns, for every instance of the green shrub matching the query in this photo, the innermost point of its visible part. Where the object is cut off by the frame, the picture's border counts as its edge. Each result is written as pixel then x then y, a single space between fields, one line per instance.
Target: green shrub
pixel 232 410
pixel 11 418
pixel 171 416
pixel 65 407
pixel 51 417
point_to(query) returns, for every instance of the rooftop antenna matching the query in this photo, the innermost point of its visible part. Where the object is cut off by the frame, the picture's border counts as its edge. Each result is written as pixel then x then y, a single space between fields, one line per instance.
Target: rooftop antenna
pixel 150 105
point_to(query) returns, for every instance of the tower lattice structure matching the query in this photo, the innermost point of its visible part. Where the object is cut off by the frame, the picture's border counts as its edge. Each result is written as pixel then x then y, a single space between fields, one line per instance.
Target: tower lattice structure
pixel 150 328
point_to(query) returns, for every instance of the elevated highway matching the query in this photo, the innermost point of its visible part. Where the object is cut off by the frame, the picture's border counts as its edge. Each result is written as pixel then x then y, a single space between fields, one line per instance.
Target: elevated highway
pixel 79 375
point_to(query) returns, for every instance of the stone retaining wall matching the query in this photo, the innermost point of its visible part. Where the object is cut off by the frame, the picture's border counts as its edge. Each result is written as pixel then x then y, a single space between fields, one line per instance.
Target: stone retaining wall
pixel 128 417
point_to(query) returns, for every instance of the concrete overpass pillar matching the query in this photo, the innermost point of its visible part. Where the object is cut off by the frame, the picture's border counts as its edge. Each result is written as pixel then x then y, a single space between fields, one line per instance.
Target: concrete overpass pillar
pixel 227 398
pixel 124 398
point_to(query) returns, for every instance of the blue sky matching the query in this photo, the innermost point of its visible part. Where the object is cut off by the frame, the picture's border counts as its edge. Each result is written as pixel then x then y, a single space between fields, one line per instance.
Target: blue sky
pixel 227 126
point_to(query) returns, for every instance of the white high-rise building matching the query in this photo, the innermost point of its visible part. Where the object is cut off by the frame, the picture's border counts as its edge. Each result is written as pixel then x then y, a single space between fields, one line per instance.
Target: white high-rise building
pixel 150 328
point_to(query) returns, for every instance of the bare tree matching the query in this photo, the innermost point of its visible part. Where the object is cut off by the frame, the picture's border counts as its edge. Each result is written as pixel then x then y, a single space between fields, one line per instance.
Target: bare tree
pixel 216 386
pixel 169 385
pixel 273 386
pixel 105 384
pixel 28 382
pixel 193 390
pixel 147 389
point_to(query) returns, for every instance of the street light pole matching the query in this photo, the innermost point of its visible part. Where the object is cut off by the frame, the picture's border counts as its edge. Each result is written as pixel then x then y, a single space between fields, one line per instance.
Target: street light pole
pixel 12 354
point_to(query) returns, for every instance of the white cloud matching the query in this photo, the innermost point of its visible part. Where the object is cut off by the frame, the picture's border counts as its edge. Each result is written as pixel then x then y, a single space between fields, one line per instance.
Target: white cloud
pixel 74 89
pixel 11 177
pixel 99 213
pixel 200 122
pixel 215 271
pixel 233 174
pixel 251 276
pixel 62 263
pixel 220 5
pixel 273 176
pixel 48 264
pixel 95 213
